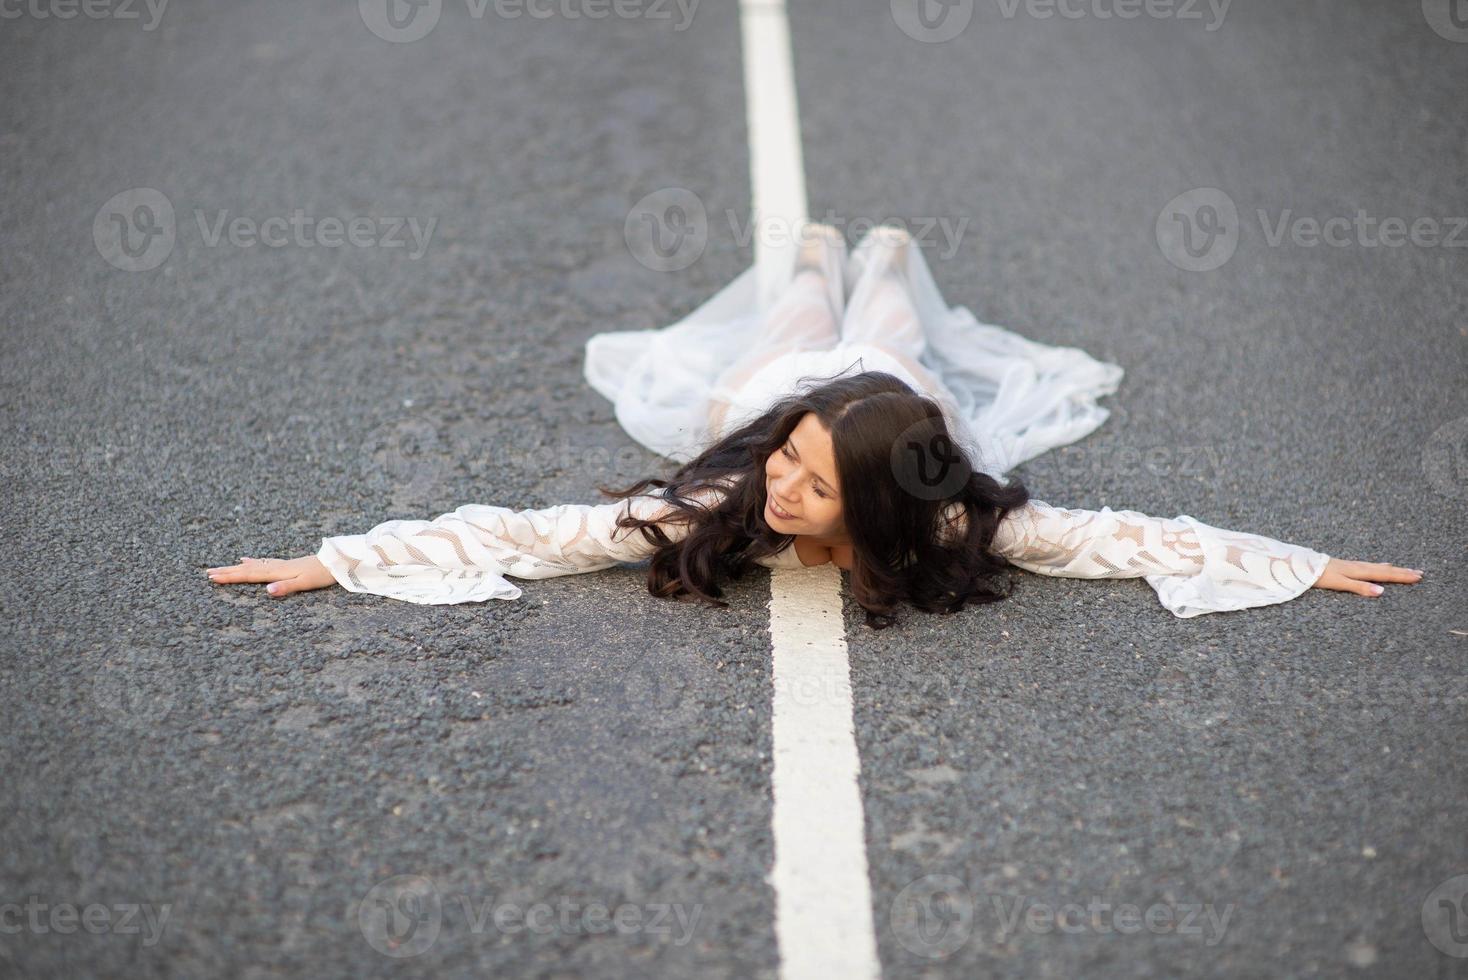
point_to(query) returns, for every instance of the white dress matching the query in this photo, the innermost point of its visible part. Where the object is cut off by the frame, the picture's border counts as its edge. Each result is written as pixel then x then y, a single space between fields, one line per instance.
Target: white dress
pixel 1007 399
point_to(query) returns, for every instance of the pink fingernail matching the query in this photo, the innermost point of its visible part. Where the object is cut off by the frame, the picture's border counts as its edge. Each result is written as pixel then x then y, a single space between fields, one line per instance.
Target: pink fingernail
pixel 270 588
pixel 1377 589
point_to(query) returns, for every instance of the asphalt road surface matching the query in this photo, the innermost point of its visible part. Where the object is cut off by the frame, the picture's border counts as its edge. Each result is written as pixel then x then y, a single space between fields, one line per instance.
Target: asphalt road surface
pixel 376 264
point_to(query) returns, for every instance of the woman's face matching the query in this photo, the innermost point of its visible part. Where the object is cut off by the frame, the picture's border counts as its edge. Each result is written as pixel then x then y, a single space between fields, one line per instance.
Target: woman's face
pixel 800 479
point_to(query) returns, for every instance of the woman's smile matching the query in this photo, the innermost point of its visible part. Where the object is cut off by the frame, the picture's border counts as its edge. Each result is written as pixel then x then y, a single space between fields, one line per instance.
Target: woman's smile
pixel 779 511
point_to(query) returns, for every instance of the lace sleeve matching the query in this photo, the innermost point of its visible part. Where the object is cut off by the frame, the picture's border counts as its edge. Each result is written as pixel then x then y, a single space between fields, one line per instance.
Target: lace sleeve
pixel 1194 568
pixel 463 556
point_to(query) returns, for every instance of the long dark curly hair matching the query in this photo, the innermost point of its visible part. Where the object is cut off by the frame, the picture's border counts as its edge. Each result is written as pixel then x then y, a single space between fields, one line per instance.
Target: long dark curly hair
pixel 900 473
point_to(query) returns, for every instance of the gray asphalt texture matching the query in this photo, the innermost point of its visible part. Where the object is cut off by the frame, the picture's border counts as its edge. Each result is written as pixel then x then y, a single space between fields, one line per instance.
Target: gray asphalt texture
pixel 261 769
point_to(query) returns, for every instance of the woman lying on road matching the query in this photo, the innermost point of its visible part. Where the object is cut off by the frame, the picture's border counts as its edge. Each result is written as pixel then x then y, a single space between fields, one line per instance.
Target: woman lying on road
pixel 892 472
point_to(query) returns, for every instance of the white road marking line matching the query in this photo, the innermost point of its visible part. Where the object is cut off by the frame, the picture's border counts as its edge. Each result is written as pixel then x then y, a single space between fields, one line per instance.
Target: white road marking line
pixel 823 904
pixel 823 915
pixel 776 165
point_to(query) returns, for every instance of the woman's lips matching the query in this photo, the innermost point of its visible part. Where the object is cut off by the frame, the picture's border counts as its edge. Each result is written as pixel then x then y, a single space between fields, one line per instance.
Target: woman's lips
pixel 779 511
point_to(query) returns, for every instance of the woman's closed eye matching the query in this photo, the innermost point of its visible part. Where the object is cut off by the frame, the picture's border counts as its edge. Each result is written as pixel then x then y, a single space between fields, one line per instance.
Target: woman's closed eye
pixel 785 449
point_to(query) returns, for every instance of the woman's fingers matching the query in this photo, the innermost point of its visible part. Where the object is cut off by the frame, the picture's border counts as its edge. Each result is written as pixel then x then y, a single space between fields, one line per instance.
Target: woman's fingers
pixel 280 581
pixel 285 586
pixel 249 570
pixel 1362 577
pixel 281 576
pixel 252 570
pixel 1382 572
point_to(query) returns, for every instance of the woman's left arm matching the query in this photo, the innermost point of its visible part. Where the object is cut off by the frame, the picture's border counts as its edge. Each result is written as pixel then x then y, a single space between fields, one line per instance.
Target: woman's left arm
pixel 1195 568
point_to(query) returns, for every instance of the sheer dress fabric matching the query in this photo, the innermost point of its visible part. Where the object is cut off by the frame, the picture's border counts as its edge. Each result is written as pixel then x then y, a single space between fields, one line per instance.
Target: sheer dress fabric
pixel 1014 398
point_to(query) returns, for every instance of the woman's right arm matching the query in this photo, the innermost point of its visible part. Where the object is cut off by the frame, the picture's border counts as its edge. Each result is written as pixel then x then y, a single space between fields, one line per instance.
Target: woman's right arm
pixel 464 555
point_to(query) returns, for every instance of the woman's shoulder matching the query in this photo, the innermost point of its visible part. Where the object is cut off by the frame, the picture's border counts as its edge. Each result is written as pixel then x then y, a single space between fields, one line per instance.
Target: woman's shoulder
pixel 786 557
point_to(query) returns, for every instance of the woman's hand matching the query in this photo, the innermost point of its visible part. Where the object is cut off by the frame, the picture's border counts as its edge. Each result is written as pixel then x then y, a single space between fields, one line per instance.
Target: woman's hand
pixel 1358 576
pixel 285 575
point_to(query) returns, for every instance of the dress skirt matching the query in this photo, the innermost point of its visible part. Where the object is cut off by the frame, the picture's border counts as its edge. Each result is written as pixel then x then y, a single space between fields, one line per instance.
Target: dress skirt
pixel 1008 398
